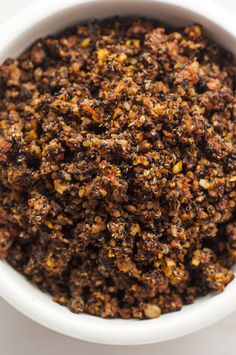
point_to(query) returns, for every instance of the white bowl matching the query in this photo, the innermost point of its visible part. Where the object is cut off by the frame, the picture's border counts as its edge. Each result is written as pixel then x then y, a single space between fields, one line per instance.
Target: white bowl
pixel 45 18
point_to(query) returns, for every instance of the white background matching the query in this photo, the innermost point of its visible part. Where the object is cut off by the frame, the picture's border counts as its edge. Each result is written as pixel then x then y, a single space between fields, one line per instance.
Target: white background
pixel 21 336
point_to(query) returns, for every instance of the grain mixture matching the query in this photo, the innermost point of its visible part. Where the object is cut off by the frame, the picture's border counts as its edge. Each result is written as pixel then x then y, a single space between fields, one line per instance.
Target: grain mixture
pixel 117 167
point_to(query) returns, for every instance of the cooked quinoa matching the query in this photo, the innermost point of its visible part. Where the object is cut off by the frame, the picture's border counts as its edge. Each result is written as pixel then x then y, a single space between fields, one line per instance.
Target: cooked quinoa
pixel 118 167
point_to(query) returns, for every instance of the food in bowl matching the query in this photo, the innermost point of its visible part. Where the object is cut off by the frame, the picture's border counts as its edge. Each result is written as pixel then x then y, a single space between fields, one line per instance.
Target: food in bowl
pixel 117 166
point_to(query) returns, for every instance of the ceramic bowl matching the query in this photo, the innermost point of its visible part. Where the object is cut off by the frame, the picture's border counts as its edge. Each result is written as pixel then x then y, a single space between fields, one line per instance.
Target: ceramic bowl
pixel 48 17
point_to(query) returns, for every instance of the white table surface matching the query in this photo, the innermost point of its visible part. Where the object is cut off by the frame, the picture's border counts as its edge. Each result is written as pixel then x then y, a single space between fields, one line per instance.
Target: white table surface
pixel 21 336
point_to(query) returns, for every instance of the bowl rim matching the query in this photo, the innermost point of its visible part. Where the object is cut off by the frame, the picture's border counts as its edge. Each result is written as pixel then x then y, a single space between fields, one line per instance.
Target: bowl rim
pixel 34 304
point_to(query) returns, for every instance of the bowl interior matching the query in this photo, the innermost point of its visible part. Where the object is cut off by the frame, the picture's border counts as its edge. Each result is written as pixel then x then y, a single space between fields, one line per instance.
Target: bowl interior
pixel 58 16
pixel 49 17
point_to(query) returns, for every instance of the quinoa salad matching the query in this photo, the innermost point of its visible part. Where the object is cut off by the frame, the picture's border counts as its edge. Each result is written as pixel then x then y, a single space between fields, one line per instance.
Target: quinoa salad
pixel 118 166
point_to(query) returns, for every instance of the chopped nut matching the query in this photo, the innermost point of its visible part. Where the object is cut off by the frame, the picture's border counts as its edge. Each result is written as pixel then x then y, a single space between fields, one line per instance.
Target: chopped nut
pixel 85 43
pixel 232 203
pixel 116 113
pixel 152 311
pixel 205 184
pixel 50 263
pixel 102 54
pixel 136 43
pixel 122 58
pixel 48 224
pixel 32 135
pixel 195 262
pixel 177 168
pixel 96 228
pixel 60 187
